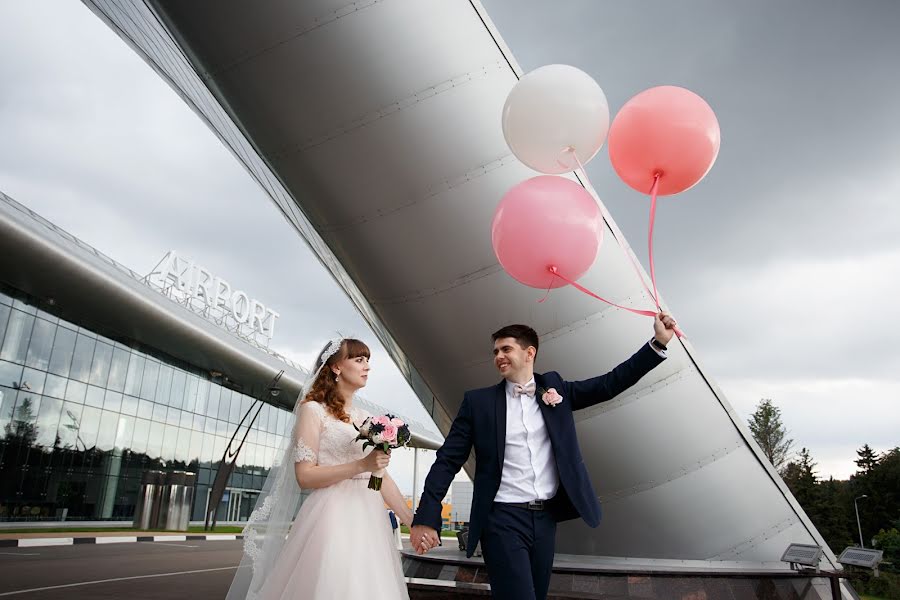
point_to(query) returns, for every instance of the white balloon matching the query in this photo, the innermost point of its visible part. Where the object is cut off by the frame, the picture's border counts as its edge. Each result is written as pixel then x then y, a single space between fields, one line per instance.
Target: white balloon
pixel 551 112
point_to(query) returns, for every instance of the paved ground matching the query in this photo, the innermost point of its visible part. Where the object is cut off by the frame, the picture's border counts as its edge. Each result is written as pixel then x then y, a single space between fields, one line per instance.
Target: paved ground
pixel 137 571
pixel 141 570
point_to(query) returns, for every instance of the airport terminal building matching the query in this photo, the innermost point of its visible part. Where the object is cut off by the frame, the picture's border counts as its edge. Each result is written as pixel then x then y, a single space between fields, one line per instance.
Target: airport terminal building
pixel 103 378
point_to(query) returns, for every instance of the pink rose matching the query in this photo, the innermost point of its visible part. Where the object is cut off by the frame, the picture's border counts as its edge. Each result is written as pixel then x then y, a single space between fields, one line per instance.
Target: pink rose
pixel 551 397
pixel 390 433
pixel 397 422
pixel 381 420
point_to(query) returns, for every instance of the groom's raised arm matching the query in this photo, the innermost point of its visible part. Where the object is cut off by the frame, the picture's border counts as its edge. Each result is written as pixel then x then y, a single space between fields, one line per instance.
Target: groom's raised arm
pixel 589 392
pixel 448 461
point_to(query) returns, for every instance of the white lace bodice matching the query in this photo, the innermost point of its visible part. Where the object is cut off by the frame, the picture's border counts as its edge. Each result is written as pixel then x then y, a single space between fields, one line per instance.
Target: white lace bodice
pixel 337 443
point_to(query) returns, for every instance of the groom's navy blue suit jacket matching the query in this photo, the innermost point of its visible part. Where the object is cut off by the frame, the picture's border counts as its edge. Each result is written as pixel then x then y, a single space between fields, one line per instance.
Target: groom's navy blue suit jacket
pixel 481 424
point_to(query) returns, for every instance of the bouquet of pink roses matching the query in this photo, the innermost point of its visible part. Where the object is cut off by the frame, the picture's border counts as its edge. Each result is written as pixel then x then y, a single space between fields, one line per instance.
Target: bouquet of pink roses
pixel 384 432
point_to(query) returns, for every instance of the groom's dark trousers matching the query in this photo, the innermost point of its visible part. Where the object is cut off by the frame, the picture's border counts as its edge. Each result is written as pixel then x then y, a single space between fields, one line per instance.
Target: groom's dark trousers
pixel 518 543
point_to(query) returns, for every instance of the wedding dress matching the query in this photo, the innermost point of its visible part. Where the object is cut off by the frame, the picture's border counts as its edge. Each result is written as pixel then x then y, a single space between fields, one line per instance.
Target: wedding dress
pixel 340 545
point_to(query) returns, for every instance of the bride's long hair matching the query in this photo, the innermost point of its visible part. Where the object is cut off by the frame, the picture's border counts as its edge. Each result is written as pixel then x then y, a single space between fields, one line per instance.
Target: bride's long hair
pixel 324 388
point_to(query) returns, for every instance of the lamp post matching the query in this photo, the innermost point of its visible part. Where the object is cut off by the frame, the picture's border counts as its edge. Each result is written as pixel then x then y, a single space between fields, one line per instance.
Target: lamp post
pixel 858 526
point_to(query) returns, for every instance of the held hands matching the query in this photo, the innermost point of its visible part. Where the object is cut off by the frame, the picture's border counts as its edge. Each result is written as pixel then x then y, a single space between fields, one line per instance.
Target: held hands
pixel 375 461
pixel 423 538
pixel 664 328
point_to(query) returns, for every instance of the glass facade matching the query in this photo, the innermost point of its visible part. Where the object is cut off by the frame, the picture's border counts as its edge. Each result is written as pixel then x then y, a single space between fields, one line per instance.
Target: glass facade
pixel 82 417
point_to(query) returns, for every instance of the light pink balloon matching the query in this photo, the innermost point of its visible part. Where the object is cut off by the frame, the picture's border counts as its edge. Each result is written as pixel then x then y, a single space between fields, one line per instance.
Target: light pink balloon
pixel 546 221
pixel 667 130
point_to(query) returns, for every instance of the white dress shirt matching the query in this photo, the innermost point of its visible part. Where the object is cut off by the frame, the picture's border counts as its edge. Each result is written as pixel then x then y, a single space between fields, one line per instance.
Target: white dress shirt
pixel 529 465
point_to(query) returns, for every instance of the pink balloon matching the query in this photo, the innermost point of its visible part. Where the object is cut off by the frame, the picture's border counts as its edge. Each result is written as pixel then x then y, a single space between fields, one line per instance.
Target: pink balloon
pixel 546 221
pixel 667 130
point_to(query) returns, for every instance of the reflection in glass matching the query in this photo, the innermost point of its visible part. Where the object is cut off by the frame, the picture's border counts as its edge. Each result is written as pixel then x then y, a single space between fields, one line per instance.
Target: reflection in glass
pixel 173 417
pixel 141 435
pixel 212 406
pixel 118 368
pixel 206 451
pixel 135 373
pixel 224 404
pixel 63 348
pixel 18 332
pixel 33 380
pixel 145 409
pixel 100 366
pixel 41 344
pixel 155 440
pixel 48 421
pixel 112 401
pixel 24 307
pixel 170 439
pixel 81 360
pixel 182 447
pixel 176 398
pixel 10 374
pixel 21 428
pixel 106 438
pixel 159 413
pixel 90 426
pixel 151 375
pixel 196 446
pixel 75 391
pixel 72 440
pixel 4 317
pixel 69 424
pixel 55 386
pixel 7 405
pixel 124 432
pixel 164 387
pixel 202 396
pixel 129 405
pixel 94 396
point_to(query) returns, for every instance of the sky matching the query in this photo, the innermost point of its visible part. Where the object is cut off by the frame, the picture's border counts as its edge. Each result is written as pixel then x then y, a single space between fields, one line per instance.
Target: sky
pixel 780 266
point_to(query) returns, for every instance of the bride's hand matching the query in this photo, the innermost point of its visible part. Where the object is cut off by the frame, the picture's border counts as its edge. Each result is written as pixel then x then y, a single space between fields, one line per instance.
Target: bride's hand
pixel 375 460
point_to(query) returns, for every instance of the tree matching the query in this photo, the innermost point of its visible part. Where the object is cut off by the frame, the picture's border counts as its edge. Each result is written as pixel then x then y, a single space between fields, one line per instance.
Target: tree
pixel 21 428
pixel 800 477
pixel 867 460
pixel 770 433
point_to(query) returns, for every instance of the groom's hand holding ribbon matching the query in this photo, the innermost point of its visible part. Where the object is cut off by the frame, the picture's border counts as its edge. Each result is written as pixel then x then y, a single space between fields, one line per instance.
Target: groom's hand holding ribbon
pixel 664 327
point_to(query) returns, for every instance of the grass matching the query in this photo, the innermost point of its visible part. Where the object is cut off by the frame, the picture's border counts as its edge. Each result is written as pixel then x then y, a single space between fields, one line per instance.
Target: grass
pixel 445 533
pixel 872 598
pixel 197 529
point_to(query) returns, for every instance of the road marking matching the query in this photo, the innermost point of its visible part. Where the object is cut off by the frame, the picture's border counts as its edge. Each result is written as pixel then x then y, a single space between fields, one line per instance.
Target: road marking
pixel 68 585
pixel 20 553
pixel 176 545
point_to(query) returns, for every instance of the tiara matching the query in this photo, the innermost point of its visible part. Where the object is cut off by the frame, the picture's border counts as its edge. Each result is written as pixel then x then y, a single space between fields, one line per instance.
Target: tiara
pixel 333 348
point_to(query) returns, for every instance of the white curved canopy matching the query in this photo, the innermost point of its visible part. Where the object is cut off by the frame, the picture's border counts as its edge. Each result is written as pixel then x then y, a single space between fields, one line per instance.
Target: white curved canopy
pixel 375 127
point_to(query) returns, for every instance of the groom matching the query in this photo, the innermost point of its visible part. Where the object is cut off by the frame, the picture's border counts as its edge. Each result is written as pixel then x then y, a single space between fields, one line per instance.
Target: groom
pixel 529 474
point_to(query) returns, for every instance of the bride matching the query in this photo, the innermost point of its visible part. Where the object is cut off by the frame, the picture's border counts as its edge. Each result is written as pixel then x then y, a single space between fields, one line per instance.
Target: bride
pixel 340 543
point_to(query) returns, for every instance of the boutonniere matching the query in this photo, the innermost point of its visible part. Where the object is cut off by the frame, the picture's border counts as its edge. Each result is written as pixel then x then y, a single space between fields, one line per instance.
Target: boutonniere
pixel 550 397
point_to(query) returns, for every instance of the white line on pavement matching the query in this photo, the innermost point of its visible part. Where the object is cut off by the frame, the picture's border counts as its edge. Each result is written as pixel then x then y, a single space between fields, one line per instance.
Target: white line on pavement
pixel 20 553
pixel 68 585
pixel 176 545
